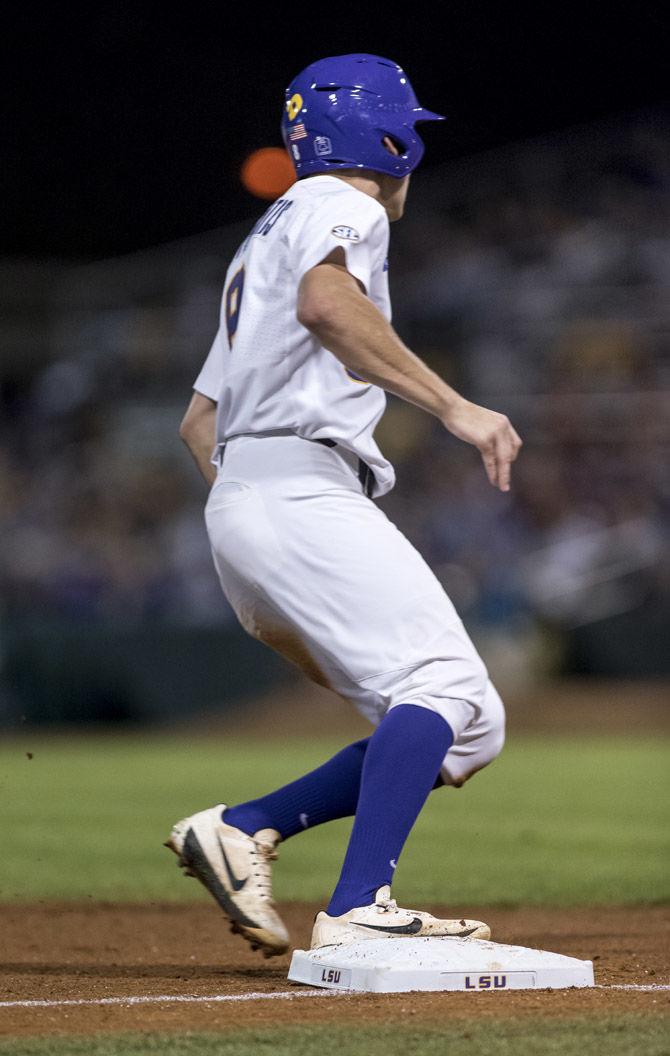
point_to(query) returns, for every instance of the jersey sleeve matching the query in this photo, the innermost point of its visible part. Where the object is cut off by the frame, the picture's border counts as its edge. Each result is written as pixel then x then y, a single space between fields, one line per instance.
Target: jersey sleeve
pixel 346 221
pixel 209 380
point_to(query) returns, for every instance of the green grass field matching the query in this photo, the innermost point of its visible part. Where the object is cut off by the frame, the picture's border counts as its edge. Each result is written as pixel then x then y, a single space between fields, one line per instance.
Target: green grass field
pixel 553 821
pixel 627 1035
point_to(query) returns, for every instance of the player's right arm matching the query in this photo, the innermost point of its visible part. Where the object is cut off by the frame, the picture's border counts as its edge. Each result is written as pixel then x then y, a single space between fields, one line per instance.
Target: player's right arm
pixel 334 307
pixel 198 426
pixel 198 431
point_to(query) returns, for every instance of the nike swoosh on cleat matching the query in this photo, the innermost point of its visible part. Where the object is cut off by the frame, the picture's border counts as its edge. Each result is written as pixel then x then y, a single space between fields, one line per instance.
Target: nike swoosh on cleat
pixel 235 882
pixel 413 928
pixel 193 855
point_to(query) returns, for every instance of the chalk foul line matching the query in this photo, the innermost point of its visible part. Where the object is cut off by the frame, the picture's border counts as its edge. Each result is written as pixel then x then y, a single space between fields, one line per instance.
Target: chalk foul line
pixel 159 999
pixel 275 995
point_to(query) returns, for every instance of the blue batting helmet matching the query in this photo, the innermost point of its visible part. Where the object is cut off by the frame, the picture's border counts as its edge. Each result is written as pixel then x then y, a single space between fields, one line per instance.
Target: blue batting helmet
pixel 338 111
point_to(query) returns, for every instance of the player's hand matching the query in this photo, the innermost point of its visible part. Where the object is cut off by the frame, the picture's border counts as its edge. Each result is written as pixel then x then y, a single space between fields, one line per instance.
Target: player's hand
pixel 491 433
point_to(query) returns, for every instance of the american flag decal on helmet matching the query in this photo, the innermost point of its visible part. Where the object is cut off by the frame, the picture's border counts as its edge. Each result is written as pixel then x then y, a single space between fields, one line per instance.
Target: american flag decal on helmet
pixel 298 131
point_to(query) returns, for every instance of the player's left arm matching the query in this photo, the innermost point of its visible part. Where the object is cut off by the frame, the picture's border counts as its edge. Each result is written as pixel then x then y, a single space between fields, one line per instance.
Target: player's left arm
pixel 198 431
pixel 332 304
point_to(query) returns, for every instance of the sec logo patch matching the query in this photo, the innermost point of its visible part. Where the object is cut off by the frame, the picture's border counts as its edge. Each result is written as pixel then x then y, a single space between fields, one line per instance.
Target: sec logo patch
pixel 350 233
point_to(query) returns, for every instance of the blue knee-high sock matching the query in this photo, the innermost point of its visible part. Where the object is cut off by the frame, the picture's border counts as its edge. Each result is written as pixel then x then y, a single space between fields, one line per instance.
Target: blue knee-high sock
pixel 401 762
pixel 327 793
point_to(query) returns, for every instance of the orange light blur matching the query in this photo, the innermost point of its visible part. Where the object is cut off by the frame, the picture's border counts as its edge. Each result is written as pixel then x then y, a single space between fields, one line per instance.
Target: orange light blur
pixel 268 172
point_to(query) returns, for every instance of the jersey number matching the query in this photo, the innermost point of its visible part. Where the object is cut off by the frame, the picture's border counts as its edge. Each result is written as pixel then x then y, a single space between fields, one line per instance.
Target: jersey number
pixel 234 303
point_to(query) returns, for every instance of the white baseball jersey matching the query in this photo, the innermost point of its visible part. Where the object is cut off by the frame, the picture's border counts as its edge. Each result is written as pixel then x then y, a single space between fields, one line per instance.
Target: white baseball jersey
pixel 265 370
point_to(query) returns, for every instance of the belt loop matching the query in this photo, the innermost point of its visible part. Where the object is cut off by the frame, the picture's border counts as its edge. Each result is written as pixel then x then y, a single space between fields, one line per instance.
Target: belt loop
pixel 366 477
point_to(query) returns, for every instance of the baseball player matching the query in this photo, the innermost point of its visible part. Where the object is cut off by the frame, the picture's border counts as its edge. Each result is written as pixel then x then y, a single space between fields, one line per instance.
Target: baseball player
pixel 289 398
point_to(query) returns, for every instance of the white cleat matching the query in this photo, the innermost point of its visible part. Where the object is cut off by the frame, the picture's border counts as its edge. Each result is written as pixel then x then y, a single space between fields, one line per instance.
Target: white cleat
pixel 384 920
pixel 235 869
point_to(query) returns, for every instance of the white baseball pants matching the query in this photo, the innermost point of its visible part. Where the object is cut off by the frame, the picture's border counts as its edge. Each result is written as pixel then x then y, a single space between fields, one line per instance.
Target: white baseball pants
pixel 313 568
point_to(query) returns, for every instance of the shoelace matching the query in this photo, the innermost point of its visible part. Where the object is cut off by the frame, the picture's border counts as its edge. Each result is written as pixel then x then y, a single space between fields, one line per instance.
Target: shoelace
pixel 261 857
pixel 386 905
pixel 389 905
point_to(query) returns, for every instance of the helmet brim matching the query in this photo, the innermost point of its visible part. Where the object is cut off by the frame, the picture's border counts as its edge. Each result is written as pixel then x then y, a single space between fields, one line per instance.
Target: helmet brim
pixel 427 115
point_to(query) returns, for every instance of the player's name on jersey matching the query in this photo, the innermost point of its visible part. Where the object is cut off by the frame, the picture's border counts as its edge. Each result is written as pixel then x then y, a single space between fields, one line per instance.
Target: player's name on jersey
pixel 266 222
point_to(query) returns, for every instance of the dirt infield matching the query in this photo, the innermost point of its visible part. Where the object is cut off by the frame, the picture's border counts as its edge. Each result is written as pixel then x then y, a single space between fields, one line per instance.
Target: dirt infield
pixel 83 952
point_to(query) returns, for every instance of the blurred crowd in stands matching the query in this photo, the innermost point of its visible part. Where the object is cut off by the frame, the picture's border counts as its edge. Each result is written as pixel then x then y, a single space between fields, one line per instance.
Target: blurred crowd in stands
pixel 534 278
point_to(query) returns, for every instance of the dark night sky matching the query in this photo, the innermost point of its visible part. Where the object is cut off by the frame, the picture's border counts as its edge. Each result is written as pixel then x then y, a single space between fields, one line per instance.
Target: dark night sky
pixel 125 124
